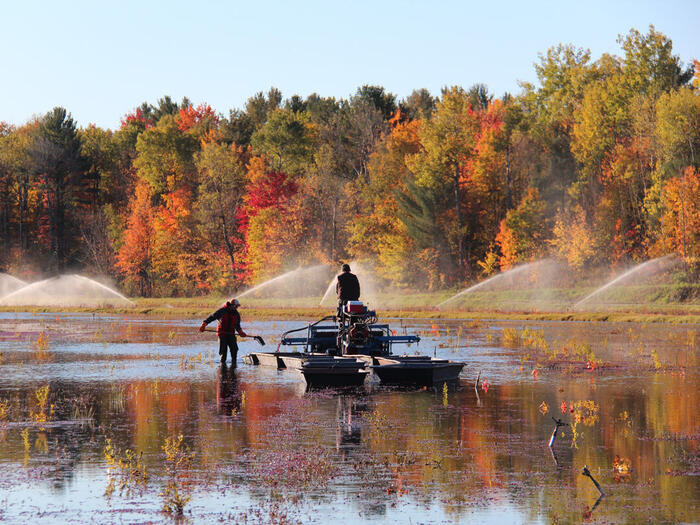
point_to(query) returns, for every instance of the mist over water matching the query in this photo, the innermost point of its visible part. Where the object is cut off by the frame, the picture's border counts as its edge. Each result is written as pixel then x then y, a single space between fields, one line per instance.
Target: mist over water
pixel 65 291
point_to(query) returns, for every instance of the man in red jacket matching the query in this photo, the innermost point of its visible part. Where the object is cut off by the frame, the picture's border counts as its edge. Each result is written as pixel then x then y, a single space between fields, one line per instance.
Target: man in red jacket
pixel 229 323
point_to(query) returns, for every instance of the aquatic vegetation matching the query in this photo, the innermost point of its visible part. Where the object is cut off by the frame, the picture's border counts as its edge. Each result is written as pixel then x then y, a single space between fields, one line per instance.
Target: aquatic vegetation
pixel 41 347
pixel 177 455
pixel 25 440
pixel 155 385
pixel 582 413
pixel 125 470
pixel 185 364
pixel 83 409
pixel 293 467
pixel 98 335
pixel 39 413
pixel 4 409
pixel 178 460
pixel 622 469
pixel 41 443
pixel 174 501
pixel 511 338
pixel 656 360
pixel 534 339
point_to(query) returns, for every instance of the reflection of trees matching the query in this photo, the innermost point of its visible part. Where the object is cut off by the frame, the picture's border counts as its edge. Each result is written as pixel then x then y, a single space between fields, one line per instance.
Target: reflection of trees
pixel 459 456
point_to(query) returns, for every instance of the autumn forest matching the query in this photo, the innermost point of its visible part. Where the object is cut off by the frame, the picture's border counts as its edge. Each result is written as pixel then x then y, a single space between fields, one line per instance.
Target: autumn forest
pixel 597 164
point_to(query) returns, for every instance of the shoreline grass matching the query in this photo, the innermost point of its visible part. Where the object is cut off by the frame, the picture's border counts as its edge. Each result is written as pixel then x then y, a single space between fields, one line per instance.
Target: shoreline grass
pixel 178 308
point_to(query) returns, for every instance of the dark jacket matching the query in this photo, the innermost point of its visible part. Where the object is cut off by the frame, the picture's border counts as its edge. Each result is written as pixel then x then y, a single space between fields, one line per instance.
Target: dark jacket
pixel 229 321
pixel 348 287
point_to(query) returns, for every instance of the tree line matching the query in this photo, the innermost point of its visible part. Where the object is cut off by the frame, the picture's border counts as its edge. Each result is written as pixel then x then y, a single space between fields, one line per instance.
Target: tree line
pixel 596 164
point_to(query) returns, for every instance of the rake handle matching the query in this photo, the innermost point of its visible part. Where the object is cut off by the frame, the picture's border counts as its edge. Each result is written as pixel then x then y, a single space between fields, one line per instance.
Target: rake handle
pixel 258 338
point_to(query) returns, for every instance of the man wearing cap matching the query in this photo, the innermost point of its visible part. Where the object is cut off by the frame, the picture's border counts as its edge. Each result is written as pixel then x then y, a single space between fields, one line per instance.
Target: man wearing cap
pixel 347 287
pixel 229 323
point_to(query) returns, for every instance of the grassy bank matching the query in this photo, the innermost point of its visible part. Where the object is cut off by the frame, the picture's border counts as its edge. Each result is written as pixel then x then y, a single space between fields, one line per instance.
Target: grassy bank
pixel 200 307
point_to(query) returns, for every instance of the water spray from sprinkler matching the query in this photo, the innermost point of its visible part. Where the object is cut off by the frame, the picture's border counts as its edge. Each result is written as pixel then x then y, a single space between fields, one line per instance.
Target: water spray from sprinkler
pixel 629 273
pixel 508 273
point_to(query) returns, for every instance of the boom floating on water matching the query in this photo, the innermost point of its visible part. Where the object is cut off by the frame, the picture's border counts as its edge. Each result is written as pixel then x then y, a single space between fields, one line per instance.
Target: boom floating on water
pixel 341 350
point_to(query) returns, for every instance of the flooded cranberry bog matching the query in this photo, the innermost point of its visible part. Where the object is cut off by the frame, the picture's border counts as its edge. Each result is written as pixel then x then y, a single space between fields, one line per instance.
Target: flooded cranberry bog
pixel 132 419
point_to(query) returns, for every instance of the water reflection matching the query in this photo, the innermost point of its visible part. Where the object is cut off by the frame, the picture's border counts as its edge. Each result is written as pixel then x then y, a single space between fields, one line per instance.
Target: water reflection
pixel 378 454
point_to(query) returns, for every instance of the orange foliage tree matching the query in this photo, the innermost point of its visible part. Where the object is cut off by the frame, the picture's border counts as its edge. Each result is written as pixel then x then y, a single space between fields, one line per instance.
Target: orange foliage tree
pixel 522 234
pixel 681 218
pixel 178 256
pixel 135 255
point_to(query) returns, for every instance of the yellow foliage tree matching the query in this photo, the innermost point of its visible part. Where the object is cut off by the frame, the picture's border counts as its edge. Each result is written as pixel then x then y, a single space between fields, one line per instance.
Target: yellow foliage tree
pixel 573 240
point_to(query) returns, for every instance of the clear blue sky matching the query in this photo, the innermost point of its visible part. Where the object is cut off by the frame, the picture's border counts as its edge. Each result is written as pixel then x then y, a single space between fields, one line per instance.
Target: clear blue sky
pixel 100 61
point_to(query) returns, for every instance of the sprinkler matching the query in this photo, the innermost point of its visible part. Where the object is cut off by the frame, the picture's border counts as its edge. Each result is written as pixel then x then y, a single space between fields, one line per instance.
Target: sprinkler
pixel 587 473
pixel 559 423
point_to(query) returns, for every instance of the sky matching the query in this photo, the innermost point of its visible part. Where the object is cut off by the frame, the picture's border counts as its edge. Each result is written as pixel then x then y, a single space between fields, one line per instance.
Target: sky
pixel 100 60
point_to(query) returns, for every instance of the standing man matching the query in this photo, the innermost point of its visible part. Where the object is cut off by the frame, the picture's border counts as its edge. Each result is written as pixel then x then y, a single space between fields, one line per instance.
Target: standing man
pixel 347 287
pixel 229 323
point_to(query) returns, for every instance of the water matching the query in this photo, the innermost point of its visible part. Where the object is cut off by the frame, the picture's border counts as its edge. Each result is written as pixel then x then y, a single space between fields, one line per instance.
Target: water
pixel 264 448
pixel 292 279
pixel 504 278
pixel 65 290
pixel 652 266
pixel 9 284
